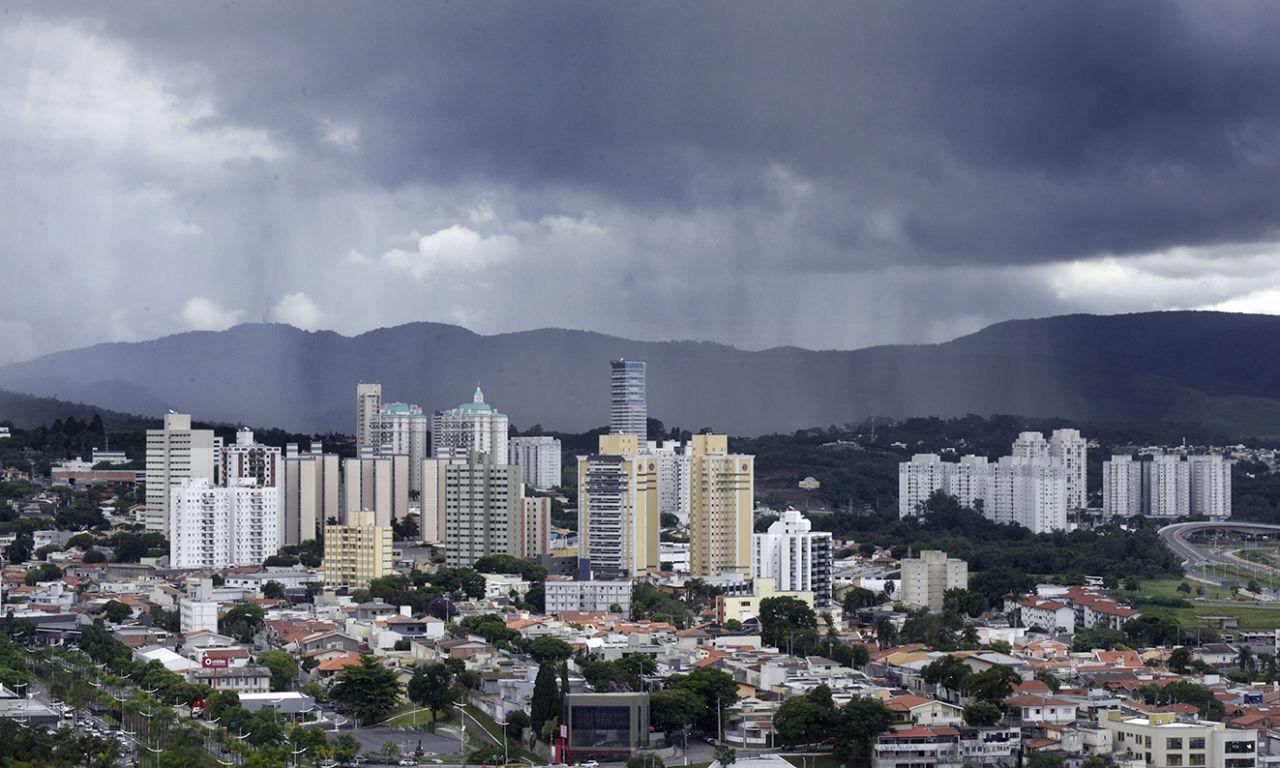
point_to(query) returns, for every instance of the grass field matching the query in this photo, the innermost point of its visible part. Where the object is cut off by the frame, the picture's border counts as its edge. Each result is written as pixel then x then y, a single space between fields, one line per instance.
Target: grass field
pixel 412 719
pixel 1217 601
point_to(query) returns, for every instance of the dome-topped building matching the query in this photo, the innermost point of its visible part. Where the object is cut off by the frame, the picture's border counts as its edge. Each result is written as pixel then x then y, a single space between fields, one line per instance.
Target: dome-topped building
pixel 473 426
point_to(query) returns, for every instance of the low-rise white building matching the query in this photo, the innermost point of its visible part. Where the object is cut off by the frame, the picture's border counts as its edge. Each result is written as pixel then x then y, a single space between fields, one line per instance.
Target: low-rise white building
pixel 566 595
pixel 1160 739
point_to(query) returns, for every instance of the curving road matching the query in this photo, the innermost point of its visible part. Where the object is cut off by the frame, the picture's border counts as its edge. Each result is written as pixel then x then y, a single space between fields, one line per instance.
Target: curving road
pixel 1174 537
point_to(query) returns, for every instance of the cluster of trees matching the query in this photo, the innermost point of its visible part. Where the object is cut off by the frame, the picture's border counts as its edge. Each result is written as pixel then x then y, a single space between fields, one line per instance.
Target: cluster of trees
pixel 65 748
pixel 989 688
pixel 270 739
pixel 536 575
pixel 697 700
pixel 814 718
pixel 168 687
pixel 1184 692
pixel 432 593
pixel 308 554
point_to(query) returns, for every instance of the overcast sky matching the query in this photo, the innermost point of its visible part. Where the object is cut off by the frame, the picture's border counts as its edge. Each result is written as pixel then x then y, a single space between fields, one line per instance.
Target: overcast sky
pixel 823 175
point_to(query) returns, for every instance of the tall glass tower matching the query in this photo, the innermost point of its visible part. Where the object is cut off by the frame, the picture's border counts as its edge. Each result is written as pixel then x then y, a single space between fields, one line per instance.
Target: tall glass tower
pixel 628 407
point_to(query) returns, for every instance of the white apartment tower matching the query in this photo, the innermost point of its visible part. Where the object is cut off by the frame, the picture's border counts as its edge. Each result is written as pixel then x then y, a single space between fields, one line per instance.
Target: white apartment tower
pixel 919 479
pixel 246 459
pixel 538 459
pixel 216 527
pixel 628 400
pixel 368 405
pixel 379 484
pixel 673 477
pixel 1209 485
pixel 480 502
pixel 1029 492
pixel 795 557
pixel 176 453
pixel 1121 487
pixel 1067 446
pixel 310 485
pixel 926 579
pixel 1030 445
pixel 721 506
pixel 970 481
pixel 618 509
pixel 401 429
pixel 1166 487
pixel 473 426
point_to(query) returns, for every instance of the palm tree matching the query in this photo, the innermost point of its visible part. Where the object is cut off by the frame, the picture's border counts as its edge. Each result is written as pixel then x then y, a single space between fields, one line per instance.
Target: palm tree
pixel 1244 659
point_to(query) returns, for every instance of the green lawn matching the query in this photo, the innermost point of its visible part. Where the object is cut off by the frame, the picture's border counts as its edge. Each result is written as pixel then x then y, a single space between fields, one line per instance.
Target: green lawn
pixel 513 749
pixel 1252 614
pixel 414 718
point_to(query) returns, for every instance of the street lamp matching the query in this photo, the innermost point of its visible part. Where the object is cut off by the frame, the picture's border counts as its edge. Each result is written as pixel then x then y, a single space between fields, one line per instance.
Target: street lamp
pixel 462 733
pixel 503 724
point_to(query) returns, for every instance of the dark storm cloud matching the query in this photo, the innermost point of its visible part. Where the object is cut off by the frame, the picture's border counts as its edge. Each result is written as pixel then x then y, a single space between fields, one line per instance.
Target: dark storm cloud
pixel 821 174
pixel 991 131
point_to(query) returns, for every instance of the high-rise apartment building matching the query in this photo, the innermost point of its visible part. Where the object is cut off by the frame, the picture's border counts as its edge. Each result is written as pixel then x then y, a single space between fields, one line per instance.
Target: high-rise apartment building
pixel 1166 487
pixel 918 479
pixel 246 459
pixel 473 426
pixel 721 501
pixel 401 429
pixel 673 477
pixel 357 551
pixel 1030 445
pixel 797 558
pixel 535 526
pixel 1121 487
pixel 1067 446
pixel 538 459
pixel 430 511
pixel 480 502
pixel 176 453
pixel 310 484
pixel 368 405
pixel 926 579
pixel 378 483
pixel 1028 492
pixel 1209 485
pixel 628 401
pixel 618 509
pixel 969 481
pixel 217 527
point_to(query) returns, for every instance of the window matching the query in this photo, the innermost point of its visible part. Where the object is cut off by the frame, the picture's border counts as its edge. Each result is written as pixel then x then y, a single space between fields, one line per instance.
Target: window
pixel 1197 760
pixel 1196 742
pixel 1173 743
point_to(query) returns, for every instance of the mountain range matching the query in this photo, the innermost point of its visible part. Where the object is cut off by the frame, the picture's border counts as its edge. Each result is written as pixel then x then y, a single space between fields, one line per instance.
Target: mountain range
pixel 1209 369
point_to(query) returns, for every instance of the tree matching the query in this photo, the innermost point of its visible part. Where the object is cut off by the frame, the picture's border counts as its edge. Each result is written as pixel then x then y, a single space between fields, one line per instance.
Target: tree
pixel 345 748
pixel 545 702
pixel 859 723
pixel 432 687
pixel 946 671
pixel 517 721
pixel 547 648
pixel 1049 679
pixel 1184 588
pixel 964 602
pixel 92 556
pixel 801 720
pixel 981 714
pixel 886 633
pixel 712 686
pixel 1045 760
pixel 115 611
pixel 1180 660
pixel 645 760
pixel 284 670
pixel 273 590
pixel 368 690
pixel 725 755
pixel 1097 761
pixel 676 709
pixel 242 622
pixel 42 572
pixel 859 597
pixel 782 617
pixel 993 684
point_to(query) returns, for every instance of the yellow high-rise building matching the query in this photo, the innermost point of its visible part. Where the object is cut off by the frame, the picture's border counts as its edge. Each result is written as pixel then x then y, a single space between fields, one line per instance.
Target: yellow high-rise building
pixel 357 552
pixel 618 510
pixel 721 501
